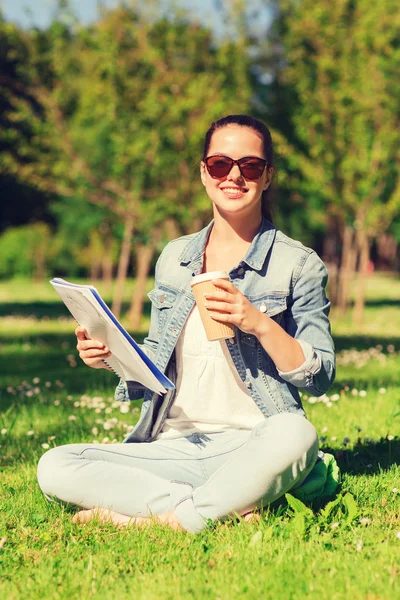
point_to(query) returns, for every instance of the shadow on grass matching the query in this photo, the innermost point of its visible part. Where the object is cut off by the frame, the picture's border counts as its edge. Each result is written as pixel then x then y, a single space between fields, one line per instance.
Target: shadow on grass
pixel 382 303
pixel 50 310
pixel 367 457
pixel 364 342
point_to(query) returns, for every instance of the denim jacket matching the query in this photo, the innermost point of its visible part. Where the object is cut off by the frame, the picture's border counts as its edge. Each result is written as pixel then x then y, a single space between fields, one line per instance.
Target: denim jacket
pixel 279 276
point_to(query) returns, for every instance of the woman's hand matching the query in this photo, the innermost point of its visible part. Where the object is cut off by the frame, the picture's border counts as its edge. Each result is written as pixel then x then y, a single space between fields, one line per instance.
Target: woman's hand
pixel 233 307
pixel 92 352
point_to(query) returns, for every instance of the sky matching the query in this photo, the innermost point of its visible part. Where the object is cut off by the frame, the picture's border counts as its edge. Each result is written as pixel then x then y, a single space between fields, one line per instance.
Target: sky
pixel 28 13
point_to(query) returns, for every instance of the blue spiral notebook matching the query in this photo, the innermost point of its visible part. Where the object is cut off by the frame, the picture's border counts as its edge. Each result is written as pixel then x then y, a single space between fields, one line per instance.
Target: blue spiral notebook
pixel 128 360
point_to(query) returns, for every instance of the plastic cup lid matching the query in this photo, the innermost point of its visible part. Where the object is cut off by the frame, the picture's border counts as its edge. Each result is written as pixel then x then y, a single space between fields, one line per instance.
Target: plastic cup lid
pixel 209 276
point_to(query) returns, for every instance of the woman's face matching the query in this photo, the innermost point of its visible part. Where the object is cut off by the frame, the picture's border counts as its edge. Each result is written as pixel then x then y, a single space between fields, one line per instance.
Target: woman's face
pixel 233 194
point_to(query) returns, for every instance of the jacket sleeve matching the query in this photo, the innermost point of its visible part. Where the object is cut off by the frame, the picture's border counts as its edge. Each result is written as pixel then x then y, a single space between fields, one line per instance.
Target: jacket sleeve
pixel 307 321
pixel 133 390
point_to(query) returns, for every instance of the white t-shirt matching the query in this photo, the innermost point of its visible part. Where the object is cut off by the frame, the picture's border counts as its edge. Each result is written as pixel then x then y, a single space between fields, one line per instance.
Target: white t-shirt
pixel 210 396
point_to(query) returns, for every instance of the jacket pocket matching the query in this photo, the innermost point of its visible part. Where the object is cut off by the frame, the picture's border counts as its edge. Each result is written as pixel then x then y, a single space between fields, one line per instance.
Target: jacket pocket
pixel 273 304
pixel 163 300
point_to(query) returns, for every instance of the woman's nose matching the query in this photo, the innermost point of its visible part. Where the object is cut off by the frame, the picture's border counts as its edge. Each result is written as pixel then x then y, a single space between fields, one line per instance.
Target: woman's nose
pixel 234 173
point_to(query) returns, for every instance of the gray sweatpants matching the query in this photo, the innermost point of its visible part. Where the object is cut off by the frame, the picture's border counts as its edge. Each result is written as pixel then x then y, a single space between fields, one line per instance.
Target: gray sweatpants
pixel 200 477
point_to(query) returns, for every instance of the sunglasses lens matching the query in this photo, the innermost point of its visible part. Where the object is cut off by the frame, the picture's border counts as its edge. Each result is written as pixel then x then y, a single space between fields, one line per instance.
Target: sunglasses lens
pixel 252 169
pixel 218 166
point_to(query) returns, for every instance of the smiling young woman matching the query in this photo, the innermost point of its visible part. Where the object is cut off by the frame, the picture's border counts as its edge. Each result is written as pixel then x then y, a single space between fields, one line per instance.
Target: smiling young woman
pixel 232 437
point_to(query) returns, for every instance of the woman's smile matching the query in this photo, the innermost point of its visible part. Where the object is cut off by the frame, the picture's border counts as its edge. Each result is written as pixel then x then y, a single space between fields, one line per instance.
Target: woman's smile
pixel 234 192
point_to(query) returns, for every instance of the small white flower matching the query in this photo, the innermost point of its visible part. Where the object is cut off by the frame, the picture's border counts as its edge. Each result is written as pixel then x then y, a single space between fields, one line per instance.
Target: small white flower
pixel 398 535
pixel 56 403
pixel 30 432
pixel 72 418
pixel 354 392
pixel 77 404
pixel 108 410
pixel 95 431
pixel 98 411
pixel 335 397
pixel 382 390
pixel 48 384
pixel 394 491
pixel 365 521
pixel 124 408
pixel 324 429
pixel 105 440
pixel 334 438
pixel 334 525
pixel 328 404
pixel 363 393
pixel 359 545
pixel 52 437
pixel 390 437
pixel 107 426
pixel 3 431
pixel 45 446
pixel 36 380
pixel 69 397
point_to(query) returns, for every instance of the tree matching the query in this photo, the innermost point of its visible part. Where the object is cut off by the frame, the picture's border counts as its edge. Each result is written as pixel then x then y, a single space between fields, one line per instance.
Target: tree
pixel 340 131
pixel 126 105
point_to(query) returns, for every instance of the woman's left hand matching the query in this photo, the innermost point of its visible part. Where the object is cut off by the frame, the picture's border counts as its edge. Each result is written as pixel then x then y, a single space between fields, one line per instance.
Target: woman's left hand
pixel 233 307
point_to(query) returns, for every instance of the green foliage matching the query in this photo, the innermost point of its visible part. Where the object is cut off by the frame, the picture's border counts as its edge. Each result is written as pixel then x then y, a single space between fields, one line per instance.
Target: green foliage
pixel 344 106
pixel 26 250
pixel 127 103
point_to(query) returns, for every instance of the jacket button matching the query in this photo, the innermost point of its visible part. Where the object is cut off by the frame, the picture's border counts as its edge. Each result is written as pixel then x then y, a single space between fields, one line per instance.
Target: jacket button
pixel 263 308
pixel 162 299
pixel 240 271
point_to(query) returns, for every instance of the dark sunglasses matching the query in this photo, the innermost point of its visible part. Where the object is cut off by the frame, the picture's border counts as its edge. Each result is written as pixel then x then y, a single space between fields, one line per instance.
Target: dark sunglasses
pixel 251 167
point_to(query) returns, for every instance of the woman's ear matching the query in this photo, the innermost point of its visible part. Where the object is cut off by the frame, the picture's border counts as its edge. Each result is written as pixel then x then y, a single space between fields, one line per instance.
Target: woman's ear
pixel 268 180
pixel 203 172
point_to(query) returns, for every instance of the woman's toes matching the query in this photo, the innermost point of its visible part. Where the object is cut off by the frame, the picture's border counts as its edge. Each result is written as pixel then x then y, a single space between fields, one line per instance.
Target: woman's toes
pixel 251 517
pixel 83 516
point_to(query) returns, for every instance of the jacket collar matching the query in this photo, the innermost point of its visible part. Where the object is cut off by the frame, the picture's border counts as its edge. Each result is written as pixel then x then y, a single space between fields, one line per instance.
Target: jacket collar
pixel 255 256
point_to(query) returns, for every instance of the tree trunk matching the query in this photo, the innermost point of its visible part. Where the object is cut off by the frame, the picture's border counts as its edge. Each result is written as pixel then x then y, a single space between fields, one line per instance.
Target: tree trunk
pixel 347 268
pixel 333 282
pixel 363 244
pixel 144 255
pixel 40 264
pixel 123 265
pixel 107 270
pixel 94 270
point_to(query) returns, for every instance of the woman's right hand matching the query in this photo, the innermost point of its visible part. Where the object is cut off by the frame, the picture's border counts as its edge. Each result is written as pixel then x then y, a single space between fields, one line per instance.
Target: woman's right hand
pixel 92 352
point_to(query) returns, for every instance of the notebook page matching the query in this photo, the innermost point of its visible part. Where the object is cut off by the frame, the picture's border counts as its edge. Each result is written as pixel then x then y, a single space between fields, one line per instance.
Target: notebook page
pixel 125 361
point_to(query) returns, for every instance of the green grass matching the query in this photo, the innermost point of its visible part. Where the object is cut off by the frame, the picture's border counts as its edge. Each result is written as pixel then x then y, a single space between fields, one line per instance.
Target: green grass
pixel 48 397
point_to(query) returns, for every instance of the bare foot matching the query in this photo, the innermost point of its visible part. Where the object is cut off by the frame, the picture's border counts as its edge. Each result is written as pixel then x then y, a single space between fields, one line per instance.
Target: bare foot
pixel 109 516
pixel 251 517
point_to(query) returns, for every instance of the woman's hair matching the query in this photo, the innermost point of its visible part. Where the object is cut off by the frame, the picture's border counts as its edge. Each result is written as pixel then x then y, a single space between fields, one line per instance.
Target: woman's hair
pixel 260 128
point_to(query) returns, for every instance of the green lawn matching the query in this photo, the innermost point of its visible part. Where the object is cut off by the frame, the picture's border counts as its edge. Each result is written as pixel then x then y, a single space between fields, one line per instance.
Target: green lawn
pixel 48 398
